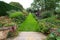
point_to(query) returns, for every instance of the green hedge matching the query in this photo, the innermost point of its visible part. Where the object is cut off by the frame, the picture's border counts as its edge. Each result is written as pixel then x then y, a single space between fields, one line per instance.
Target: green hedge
pixel 30 24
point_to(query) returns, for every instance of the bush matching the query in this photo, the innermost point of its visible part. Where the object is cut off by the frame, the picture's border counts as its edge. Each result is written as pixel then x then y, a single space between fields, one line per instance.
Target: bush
pixel 6 22
pixel 17 17
pixel 13 34
pixel 54 35
pixel 48 23
pixel 46 14
pixel 51 36
pixel 30 24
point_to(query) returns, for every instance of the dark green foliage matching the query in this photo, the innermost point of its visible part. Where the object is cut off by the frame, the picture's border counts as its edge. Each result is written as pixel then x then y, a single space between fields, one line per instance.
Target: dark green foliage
pixel 16 4
pixel 46 14
pixel 50 4
pixel 30 24
pixel 4 7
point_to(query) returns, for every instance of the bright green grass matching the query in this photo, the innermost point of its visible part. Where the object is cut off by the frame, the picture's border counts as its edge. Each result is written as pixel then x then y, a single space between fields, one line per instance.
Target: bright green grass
pixel 30 24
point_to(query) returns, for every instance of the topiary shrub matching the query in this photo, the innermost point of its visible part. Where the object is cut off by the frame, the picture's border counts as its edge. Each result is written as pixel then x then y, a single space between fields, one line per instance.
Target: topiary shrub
pixel 30 24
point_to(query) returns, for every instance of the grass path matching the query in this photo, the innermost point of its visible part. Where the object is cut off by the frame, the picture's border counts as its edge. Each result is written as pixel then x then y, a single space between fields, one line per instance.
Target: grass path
pixel 30 36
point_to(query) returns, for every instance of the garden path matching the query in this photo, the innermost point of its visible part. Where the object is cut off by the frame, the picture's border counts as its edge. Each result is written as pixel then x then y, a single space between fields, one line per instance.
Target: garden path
pixel 30 36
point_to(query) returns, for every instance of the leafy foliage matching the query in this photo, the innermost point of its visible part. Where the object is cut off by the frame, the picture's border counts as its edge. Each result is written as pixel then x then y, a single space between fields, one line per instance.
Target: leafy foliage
pixel 6 22
pixel 54 35
pixel 17 17
pixel 16 4
pixel 46 24
pixel 51 36
pixel 44 5
pixel 46 14
pixel 6 7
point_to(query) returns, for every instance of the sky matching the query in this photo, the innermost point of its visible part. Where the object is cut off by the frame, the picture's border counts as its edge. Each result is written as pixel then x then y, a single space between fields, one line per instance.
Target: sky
pixel 24 3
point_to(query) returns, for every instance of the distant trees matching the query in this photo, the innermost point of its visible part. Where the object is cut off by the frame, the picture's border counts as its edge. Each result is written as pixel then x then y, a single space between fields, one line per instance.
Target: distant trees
pixel 39 6
pixel 44 5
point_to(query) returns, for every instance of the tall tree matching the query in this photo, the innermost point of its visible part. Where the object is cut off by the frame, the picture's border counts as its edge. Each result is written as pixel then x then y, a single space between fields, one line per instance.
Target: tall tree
pixel 44 4
pixel 37 4
pixel 4 7
pixel 16 4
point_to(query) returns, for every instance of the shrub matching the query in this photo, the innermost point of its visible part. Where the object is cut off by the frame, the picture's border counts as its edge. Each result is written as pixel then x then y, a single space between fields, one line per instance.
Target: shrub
pixel 13 34
pixel 46 14
pixel 15 14
pixel 51 36
pixel 6 22
pixel 48 23
pixel 30 24
pixel 54 35
pixel 18 17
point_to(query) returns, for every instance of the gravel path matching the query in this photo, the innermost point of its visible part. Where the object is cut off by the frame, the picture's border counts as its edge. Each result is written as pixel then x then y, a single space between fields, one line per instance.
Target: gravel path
pixel 30 36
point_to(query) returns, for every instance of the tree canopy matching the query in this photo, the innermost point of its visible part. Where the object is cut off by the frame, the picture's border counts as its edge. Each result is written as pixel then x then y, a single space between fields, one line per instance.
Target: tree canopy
pixel 4 7
pixel 44 4
pixel 16 4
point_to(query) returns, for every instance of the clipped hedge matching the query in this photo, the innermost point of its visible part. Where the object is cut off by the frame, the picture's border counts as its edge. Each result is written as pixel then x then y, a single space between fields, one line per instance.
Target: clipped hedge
pixel 30 24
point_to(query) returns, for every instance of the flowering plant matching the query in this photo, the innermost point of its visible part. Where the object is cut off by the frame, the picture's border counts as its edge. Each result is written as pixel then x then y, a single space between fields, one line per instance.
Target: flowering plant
pixel 6 22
